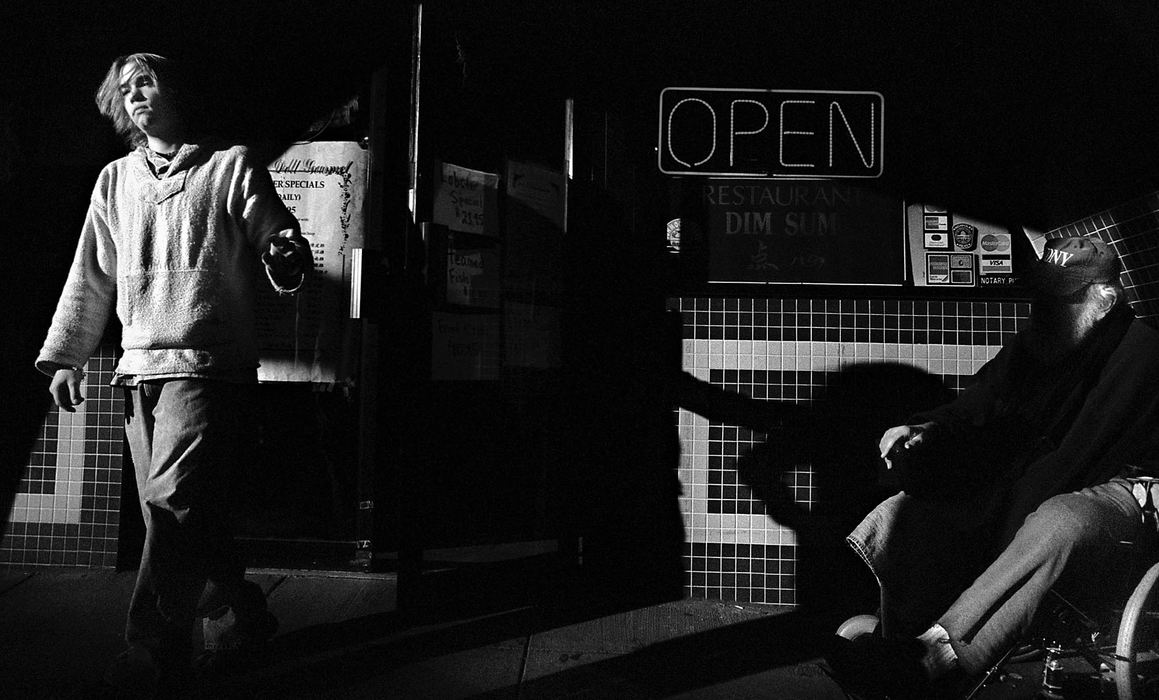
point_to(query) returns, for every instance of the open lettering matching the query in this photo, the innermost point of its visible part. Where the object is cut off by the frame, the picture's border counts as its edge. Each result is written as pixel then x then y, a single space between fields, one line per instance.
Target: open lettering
pixel 771 133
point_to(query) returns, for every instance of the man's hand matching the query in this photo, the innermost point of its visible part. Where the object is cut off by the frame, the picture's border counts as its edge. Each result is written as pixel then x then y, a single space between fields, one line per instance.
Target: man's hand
pixel 65 388
pixel 902 437
pixel 288 261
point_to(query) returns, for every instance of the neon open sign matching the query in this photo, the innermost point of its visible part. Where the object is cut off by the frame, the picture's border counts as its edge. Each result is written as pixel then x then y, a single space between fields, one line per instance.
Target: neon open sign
pixel 810 134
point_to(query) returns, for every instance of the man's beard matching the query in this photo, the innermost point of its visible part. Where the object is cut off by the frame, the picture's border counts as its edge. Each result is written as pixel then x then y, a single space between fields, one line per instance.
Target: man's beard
pixel 1058 326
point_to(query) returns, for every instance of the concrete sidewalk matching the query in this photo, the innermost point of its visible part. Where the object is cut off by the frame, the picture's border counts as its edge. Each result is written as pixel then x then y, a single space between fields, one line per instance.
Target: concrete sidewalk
pixel 342 637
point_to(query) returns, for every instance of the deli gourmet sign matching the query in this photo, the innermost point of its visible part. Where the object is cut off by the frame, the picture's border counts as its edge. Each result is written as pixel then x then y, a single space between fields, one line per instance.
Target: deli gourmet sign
pixel 799 134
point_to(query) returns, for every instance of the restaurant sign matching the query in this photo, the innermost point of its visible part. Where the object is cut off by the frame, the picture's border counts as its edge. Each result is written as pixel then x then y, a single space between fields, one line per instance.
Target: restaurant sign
pixel 802 232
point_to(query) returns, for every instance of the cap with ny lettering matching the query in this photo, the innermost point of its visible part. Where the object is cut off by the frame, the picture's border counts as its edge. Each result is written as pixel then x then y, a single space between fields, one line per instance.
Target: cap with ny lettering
pixel 1069 264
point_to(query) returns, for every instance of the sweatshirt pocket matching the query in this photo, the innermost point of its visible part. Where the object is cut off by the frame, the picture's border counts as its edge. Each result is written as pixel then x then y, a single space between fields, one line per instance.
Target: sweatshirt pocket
pixel 175 309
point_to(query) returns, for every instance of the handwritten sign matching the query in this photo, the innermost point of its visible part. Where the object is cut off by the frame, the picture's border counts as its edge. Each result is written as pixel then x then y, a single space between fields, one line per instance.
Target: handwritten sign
pixel 466 200
pixel 802 232
pixel 473 277
pixel 771 133
pixel 541 190
pixel 306 338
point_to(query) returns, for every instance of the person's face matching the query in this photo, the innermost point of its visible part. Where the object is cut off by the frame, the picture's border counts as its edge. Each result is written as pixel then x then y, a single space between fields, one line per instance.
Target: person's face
pixel 146 101
pixel 1073 314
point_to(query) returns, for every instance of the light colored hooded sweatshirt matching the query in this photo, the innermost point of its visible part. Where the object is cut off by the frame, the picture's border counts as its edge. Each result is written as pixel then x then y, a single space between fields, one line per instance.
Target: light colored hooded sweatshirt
pixel 178 255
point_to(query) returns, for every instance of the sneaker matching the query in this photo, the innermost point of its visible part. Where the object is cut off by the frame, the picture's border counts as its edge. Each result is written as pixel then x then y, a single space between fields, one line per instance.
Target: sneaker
pixel 876 667
pixel 235 616
pixel 231 642
pixel 225 630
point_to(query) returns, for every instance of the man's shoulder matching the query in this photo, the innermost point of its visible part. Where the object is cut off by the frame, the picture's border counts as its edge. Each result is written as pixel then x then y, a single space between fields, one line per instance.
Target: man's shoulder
pixel 225 155
pixel 120 169
pixel 119 164
pixel 219 148
pixel 1138 351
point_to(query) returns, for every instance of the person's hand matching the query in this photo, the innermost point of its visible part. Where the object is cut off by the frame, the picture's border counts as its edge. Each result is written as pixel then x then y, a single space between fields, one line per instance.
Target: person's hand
pixel 65 388
pixel 901 437
pixel 287 258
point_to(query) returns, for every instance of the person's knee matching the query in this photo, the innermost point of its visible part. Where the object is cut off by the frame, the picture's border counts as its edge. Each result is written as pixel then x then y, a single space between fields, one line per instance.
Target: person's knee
pixel 164 494
pixel 1072 519
pixel 155 493
pixel 1068 518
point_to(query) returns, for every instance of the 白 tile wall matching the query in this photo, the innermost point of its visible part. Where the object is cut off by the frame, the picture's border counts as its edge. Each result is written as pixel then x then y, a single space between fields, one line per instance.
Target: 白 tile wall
pixel 66 510
pixel 786 350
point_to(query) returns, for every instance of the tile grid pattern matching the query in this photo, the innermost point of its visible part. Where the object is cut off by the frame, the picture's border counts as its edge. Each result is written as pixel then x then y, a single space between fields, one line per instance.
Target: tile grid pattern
pixel 66 510
pixel 785 349
pixel 1132 231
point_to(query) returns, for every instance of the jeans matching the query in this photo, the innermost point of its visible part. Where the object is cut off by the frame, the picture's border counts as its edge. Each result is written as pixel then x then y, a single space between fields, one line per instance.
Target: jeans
pixel 1070 539
pixel 186 438
pixel 931 571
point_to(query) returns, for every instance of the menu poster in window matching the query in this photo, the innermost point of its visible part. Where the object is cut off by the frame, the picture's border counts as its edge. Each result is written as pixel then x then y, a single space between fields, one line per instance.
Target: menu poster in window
pixel 466 200
pixel 803 232
pixel 307 338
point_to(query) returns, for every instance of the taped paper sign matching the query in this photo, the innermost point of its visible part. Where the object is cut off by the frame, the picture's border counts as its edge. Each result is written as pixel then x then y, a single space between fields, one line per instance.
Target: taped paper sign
pixel 466 200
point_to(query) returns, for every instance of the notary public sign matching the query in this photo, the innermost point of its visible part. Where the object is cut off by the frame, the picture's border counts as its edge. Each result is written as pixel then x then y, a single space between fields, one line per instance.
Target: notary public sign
pixel 749 133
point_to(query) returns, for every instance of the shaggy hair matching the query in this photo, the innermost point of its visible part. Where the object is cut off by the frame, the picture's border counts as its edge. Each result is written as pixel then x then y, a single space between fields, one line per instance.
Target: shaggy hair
pixel 111 102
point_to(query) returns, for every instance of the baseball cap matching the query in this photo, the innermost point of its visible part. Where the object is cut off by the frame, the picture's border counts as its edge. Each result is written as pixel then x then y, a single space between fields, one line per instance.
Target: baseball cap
pixel 1069 264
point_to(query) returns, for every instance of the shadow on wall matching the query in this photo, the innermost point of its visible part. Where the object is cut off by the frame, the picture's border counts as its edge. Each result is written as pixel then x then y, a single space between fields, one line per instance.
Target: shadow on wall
pixel 838 435
pixel 624 497
pixel 618 491
pixel 617 495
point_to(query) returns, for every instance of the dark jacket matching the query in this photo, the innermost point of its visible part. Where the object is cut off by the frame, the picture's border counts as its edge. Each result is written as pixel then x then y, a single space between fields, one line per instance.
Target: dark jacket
pixel 1026 431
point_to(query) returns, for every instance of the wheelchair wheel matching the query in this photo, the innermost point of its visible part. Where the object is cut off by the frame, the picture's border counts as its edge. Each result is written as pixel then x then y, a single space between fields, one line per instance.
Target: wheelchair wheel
pixel 1137 647
pixel 857 626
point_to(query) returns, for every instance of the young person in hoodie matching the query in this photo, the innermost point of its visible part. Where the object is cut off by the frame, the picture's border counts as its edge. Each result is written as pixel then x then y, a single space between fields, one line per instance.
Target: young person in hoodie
pixel 175 240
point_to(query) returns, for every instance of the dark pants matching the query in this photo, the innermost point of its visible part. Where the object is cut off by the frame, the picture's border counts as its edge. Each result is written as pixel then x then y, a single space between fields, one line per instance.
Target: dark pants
pixel 934 565
pixel 185 436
